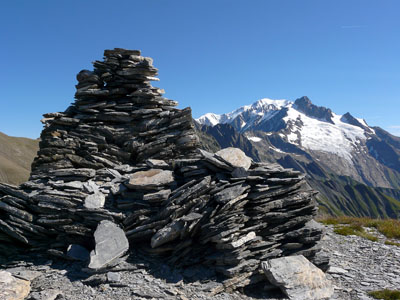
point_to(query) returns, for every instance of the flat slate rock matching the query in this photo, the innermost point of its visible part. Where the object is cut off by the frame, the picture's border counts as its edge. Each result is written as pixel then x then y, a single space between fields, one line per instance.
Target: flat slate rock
pixel 156 163
pixel 298 278
pixel 150 179
pixel 230 193
pixel 234 157
pixel 73 172
pixel 111 243
pixel 95 200
pixel 12 288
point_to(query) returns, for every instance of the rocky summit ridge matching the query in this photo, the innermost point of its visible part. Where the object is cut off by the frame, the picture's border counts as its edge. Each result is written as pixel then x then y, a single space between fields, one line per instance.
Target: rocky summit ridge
pixel 120 170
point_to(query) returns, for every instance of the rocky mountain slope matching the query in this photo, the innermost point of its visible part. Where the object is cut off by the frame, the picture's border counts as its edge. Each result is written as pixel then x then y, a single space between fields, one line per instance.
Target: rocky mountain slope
pixel 16 156
pixel 355 167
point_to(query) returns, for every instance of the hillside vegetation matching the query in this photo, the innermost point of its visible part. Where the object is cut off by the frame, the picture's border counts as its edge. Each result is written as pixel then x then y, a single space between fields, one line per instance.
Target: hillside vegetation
pixel 16 156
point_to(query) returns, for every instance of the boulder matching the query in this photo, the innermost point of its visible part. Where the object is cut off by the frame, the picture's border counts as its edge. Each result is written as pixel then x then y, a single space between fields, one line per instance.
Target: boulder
pixel 298 278
pixel 111 243
pixel 235 157
pixel 12 288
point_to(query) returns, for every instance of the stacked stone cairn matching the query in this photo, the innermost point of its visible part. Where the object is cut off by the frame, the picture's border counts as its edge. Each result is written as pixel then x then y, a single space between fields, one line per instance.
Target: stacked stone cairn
pixel 121 168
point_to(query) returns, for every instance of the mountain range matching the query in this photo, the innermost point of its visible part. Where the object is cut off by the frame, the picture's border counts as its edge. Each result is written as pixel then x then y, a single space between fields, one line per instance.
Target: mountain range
pixel 355 167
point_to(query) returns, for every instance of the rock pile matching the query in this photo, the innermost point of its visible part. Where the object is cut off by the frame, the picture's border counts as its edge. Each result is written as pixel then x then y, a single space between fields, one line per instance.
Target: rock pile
pixel 122 157
pixel 117 118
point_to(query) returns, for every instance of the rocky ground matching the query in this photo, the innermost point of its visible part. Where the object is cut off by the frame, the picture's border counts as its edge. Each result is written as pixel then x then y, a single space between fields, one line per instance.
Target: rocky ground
pixel 357 266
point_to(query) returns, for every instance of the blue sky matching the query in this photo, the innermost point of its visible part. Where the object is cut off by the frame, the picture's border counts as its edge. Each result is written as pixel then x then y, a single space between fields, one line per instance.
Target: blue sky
pixel 212 55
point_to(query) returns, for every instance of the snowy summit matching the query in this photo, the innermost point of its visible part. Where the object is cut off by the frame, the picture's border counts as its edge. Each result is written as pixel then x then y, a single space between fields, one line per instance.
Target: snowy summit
pixel 301 123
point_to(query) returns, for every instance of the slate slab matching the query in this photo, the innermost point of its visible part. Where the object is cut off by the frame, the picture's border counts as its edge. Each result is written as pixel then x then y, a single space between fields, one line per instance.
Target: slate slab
pixel 150 179
pixel 298 278
pixel 111 243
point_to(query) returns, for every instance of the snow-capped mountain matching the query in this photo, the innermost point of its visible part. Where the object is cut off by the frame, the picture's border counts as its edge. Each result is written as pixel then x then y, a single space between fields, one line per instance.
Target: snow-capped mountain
pixel 246 116
pixel 300 122
pixel 312 139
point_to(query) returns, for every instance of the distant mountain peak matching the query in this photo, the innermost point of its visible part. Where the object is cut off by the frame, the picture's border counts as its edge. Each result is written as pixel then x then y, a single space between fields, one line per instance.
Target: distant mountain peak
pixel 246 116
pixel 305 105
pixel 349 119
pixel 266 102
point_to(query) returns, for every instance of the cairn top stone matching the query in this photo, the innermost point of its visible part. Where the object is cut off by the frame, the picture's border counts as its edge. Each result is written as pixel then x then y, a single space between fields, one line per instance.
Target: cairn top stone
pixel 122 52
pixel 235 157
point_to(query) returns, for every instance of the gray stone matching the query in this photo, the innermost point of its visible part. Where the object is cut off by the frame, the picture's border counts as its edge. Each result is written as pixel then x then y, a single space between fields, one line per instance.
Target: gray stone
pixel 239 173
pixel 298 278
pixel 209 157
pixel 150 179
pixel 235 157
pixel 95 200
pixel 156 163
pixel 111 243
pixel 113 277
pixel 158 196
pixel 337 270
pixel 69 185
pixel 230 193
pixel 50 294
pixel 12 288
pixel 167 234
pixel 91 187
pixel 74 172
pixel 78 252
pixel 248 237
pixel 26 274
pixel 191 217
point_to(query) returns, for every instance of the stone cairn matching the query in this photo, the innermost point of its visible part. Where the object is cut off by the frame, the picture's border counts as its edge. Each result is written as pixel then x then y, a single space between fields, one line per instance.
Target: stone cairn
pixel 121 168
